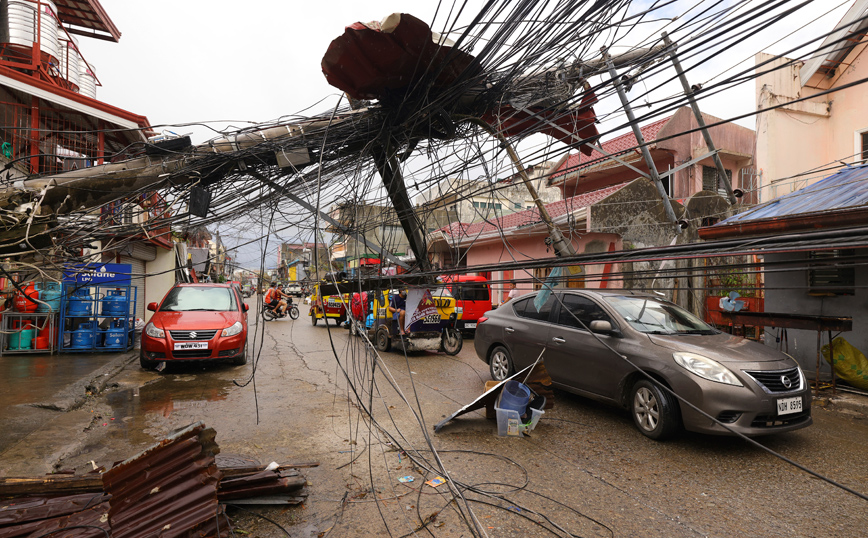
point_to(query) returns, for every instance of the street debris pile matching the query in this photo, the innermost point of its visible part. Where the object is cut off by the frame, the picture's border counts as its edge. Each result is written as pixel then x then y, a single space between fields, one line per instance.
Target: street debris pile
pixel 174 488
pixel 535 377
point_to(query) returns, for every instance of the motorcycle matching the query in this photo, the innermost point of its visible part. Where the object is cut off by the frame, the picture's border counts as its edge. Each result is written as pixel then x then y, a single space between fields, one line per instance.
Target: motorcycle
pixel 291 310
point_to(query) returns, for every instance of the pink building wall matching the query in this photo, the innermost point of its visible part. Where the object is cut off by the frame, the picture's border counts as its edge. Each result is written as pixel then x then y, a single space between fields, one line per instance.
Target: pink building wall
pixel 533 247
pixel 813 134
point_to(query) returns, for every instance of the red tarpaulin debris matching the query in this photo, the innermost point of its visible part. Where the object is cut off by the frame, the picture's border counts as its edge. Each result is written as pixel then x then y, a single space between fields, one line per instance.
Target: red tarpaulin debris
pixel 371 60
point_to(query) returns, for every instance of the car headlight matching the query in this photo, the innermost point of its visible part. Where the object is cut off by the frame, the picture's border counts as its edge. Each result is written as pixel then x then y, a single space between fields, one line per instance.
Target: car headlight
pixel 233 329
pixel 706 368
pixel 459 309
pixel 152 331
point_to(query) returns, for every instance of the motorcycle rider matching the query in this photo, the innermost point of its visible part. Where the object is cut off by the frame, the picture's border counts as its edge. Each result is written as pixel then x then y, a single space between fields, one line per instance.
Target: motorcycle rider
pixel 274 299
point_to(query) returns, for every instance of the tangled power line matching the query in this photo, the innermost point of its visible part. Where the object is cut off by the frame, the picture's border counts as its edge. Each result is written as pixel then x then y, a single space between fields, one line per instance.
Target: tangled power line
pixel 504 58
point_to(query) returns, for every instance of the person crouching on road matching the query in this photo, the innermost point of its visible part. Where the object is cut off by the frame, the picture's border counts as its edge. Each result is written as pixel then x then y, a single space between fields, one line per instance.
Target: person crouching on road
pixel 398 308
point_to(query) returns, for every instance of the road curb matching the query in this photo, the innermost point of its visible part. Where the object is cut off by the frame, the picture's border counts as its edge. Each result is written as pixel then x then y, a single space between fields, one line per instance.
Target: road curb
pixel 73 396
pixel 851 404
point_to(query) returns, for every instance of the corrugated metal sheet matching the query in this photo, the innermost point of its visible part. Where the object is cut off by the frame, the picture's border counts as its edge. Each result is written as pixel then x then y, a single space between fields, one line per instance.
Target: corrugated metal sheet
pixel 170 490
pixel 847 189
pixel 89 515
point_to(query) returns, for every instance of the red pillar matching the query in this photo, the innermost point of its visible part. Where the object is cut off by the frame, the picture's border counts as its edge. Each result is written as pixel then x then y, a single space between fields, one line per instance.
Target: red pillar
pixel 34 135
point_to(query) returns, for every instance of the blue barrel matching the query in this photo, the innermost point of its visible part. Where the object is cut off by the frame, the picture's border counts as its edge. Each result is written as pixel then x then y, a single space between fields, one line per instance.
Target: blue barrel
pixel 50 297
pixel 82 338
pixel 114 337
pixel 115 303
pixel 79 303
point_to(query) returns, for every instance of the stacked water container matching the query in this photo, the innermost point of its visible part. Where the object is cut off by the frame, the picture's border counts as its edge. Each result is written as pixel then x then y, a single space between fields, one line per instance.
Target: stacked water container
pixel 70 60
pixel 86 79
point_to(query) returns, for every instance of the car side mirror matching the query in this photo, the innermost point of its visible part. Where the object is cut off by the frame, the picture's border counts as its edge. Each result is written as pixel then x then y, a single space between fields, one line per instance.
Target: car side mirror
pixel 602 326
pixel 153 307
pixel 246 307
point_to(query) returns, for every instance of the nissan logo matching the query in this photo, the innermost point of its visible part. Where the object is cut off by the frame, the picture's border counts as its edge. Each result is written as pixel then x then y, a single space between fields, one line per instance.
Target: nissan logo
pixel 787 383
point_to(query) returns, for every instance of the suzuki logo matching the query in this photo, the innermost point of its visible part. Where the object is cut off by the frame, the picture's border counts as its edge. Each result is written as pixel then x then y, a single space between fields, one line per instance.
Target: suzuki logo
pixel 786 382
pixel 193 337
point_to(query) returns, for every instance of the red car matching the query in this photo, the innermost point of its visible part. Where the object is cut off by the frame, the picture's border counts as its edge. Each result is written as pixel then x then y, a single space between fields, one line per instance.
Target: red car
pixel 196 322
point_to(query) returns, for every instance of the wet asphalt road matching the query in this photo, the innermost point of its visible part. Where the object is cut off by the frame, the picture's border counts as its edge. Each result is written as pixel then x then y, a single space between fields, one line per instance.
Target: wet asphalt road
pixel 585 469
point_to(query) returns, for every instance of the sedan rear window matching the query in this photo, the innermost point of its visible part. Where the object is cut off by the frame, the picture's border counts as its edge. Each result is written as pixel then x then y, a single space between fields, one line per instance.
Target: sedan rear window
pixel 193 298
pixel 526 309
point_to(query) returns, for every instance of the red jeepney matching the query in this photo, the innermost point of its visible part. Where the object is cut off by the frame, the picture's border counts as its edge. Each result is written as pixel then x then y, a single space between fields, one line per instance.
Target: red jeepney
pixel 472 296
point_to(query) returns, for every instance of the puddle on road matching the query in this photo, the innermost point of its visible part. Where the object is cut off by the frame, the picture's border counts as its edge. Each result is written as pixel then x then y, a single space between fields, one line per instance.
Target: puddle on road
pixel 133 409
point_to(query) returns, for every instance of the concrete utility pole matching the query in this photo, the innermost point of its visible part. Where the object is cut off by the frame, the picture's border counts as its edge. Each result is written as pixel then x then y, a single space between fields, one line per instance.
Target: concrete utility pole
pixel 709 143
pixel 561 245
pixel 343 229
pixel 390 171
pixel 652 168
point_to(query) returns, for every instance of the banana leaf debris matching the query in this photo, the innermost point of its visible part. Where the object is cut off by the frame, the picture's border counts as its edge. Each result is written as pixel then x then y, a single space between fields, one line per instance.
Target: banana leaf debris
pixel 174 488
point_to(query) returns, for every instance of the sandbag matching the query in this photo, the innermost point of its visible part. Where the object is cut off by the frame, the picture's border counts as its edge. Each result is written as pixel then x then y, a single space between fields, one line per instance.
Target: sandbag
pixel 850 364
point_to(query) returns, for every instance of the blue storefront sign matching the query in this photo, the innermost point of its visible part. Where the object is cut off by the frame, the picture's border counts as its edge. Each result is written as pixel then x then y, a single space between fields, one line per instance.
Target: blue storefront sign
pixel 95 274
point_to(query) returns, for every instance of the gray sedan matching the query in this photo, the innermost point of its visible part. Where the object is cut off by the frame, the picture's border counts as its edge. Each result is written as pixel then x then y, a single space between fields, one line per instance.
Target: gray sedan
pixel 635 350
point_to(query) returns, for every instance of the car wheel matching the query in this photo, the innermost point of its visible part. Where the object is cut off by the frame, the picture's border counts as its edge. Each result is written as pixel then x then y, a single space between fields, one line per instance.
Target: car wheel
pixel 146 363
pixel 241 359
pixel 383 342
pixel 313 318
pixel 452 341
pixel 500 364
pixel 654 411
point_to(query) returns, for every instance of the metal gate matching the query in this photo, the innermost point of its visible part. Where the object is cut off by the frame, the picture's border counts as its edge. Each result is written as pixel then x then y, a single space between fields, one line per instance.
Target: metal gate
pixel 138 281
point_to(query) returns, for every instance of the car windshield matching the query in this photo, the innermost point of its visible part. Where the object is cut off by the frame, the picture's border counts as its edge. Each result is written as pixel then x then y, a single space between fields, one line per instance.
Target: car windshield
pixel 441 292
pixel 199 298
pixel 654 316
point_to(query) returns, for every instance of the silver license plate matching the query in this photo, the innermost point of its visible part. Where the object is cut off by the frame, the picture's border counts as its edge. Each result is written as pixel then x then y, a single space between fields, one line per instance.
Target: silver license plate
pixel 788 406
pixel 190 345
pixel 470 325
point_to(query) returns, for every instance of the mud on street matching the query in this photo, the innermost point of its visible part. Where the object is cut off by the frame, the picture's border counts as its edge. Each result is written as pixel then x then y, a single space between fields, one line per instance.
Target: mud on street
pixel 585 469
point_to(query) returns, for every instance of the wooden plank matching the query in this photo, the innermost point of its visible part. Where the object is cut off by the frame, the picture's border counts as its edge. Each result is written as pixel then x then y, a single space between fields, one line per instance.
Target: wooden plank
pixel 790 321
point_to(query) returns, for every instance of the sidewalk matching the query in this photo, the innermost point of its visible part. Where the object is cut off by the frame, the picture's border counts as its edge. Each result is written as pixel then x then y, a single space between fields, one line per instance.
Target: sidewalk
pixel 42 389
pixel 843 401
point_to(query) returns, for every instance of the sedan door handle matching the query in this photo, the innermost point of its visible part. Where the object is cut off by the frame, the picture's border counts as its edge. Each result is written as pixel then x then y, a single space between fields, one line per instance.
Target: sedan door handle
pixel 509 329
pixel 559 340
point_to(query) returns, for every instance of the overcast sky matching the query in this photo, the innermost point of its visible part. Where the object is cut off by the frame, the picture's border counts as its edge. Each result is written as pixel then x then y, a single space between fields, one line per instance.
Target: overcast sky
pixel 227 63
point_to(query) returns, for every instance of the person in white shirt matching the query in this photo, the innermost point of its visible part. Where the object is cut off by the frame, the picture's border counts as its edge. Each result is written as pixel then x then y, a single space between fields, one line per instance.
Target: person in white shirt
pixel 513 292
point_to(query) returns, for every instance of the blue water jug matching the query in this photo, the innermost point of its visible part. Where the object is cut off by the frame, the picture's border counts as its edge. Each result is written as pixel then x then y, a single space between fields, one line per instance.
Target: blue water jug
pixel 515 396
pixel 114 337
pixel 114 303
pixel 79 303
pixel 82 338
pixel 49 294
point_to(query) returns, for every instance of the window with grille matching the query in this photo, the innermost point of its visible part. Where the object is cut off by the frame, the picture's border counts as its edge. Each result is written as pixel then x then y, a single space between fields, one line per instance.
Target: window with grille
pixel 711 179
pixel 864 137
pixel 831 272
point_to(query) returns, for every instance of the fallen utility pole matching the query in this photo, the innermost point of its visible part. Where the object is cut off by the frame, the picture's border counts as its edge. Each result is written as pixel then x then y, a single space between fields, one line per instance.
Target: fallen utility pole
pixel 640 140
pixel 343 229
pixel 561 245
pixel 688 91
pixel 390 171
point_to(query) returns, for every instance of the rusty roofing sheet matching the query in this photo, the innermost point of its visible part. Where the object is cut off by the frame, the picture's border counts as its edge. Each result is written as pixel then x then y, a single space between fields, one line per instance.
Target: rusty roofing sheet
pixel 91 521
pixel 170 490
pixel 18 511
pixel 847 189
pixel 87 18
